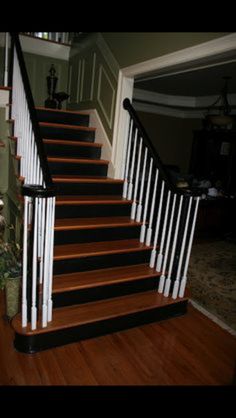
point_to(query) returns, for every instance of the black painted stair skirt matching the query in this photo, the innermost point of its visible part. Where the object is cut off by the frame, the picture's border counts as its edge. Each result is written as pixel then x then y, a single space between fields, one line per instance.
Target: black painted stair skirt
pixel 102 280
pixel 152 308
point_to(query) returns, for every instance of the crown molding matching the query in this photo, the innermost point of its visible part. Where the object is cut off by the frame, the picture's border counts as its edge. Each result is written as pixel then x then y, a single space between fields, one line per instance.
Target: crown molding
pixel 177 106
pixel 167 111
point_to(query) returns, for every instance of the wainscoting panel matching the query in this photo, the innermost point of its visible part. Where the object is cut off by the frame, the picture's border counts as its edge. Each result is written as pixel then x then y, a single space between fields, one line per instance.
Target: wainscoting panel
pixel 87 77
pixel 106 95
pixel 93 79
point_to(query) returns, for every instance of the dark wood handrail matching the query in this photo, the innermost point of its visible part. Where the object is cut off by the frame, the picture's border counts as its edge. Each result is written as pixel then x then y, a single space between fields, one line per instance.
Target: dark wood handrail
pixel 32 112
pixel 156 158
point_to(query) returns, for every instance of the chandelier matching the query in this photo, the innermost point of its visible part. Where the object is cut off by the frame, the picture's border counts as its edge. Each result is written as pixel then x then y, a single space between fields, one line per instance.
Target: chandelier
pixel 219 112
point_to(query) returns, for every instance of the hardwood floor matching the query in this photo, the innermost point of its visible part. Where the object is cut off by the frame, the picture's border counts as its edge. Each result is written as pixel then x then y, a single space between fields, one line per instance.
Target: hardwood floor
pixel 189 350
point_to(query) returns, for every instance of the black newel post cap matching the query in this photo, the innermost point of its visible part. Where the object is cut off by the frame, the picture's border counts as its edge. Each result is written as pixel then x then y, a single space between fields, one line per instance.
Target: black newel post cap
pixel 126 103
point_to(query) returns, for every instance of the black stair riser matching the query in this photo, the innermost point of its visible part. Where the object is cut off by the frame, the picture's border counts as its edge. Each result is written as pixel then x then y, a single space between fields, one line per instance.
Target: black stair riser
pixel 95 235
pixel 57 150
pixel 39 342
pixel 70 134
pixel 91 211
pixel 87 189
pixel 78 169
pixel 100 262
pixel 80 296
pixel 62 117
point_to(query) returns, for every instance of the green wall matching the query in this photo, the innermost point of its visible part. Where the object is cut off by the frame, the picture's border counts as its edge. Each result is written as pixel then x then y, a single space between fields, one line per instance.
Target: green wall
pixel 133 47
pixel 171 136
pixel 4 159
pixel 1 66
pixel 38 68
pixel 9 185
pixel 93 81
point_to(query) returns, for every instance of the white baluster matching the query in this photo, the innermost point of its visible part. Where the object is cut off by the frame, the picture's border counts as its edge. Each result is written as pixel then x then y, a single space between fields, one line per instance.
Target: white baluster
pixel 149 230
pixel 25 263
pixel 140 206
pixel 134 204
pixel 184 278
pixel 153 253
pixel 34 269
pixel 163 274
pixel 130 187
pixel 42 240
pixel 46 264
pixel 143 227
pixel 125 148
pixel 176 284
pixel 53 199
pixel 30 156
pixel 168 281
pixel 163 235
pixel 6 60
pixel 125 187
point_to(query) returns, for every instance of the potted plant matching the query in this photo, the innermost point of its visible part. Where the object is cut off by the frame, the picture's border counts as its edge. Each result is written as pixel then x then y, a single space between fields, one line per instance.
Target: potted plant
pixel 10 275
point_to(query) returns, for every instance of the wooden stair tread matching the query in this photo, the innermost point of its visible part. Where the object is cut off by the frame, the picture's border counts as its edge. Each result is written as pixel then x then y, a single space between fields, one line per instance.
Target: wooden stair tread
pixel 90 249
pixel 78 315
pixel 64 126
pixel 73 143
pixel 5 88
pixel 95 278
pixel 84 179
pixel 61 111
pixel 92 223
pixel 91 200
pixel 77 160
pixel 13 138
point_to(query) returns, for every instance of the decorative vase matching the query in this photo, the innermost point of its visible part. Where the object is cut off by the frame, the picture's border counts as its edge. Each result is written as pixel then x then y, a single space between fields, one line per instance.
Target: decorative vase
pixel 12 292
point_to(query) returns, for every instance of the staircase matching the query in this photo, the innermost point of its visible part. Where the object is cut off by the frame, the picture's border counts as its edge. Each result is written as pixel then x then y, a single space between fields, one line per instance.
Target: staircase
pixel 102 281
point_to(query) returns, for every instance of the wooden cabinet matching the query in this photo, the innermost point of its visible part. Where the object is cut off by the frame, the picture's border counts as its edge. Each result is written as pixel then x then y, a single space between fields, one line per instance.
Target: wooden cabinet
pixel 216 218
pixel 214 158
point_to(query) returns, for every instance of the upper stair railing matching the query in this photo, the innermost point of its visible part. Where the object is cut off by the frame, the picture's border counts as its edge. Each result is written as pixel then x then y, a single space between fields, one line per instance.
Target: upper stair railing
pixel 168 214
pixel 39 197
pixel 60 37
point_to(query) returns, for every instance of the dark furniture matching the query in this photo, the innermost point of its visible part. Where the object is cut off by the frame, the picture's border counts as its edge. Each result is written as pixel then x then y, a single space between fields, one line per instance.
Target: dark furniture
pixel 216 218
pixel 213 158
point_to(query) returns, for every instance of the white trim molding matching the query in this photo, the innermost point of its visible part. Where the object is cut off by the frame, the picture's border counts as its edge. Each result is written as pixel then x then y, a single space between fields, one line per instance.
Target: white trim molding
pixel 218 49
pixel 102 75
pixel 176 106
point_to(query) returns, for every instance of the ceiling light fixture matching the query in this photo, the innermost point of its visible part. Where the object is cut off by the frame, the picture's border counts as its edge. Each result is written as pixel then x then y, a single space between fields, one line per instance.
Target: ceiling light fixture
pixel 219 112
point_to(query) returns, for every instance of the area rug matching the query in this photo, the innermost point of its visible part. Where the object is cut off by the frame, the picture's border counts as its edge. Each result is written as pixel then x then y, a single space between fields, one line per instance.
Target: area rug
pixel 212 279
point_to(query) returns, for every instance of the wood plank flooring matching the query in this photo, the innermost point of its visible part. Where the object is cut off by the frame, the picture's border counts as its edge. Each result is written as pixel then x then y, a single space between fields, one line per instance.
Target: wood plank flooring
pixel 189 350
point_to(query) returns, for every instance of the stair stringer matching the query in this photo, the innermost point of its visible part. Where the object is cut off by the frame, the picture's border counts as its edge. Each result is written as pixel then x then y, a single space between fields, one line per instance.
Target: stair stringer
pixel 102 138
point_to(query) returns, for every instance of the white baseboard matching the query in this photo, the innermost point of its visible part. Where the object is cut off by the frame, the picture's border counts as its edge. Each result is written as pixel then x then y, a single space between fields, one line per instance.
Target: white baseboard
pixel 212 317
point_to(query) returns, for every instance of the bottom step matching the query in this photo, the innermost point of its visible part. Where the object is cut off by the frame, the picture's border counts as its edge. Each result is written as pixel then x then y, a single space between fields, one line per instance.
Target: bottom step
pixel 79 322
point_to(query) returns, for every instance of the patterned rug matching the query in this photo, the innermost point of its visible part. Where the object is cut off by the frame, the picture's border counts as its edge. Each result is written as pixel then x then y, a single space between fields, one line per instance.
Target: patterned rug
pixel 212 279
